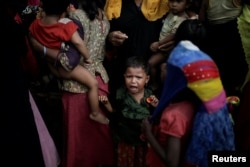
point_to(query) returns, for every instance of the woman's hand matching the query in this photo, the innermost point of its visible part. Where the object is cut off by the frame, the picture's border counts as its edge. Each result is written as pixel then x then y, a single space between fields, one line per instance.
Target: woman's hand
pixel 49 54
pixel 117 38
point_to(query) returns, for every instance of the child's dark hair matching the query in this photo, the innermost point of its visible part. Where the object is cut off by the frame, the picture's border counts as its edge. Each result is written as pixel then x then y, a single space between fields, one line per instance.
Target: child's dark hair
pixel 136 61
pixel 187 95
pixel 188 1
pixel 55 7
pixel 192 30
pixel 91 7
pixel 246 2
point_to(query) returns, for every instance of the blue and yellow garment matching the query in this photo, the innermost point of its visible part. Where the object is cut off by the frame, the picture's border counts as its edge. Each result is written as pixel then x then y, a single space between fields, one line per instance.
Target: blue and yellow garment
pixel 189 67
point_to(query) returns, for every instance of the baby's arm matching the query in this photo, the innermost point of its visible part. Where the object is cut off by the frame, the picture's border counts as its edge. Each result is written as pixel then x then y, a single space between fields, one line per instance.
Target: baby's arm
pixel 80 45
pixel 49 54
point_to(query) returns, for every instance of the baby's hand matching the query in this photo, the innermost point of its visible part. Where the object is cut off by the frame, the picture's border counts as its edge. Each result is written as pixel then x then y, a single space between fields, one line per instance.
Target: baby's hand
pixel 87 62
pixel 103 99
pixel 152 100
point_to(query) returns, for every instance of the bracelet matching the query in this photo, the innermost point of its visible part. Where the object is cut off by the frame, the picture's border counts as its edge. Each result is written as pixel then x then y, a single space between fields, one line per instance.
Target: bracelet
pixel 44 51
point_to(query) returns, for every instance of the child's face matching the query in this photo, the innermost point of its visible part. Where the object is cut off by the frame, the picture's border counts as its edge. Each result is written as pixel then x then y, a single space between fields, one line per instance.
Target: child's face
pixel 135 79
pixel 177 6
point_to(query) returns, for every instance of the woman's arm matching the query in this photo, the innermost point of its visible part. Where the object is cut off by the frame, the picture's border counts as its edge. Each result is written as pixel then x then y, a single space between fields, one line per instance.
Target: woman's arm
pixel 203 10
pixel 50 54
pixel 167 43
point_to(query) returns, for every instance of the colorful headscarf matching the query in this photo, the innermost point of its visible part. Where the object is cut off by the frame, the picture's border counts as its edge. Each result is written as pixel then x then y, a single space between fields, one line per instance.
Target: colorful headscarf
pixel 212 129
pixel 151 9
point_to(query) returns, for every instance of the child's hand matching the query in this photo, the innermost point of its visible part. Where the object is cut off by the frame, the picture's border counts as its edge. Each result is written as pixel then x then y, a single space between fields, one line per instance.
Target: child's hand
pixel 152 100
pixel 87 62
pixel 103 99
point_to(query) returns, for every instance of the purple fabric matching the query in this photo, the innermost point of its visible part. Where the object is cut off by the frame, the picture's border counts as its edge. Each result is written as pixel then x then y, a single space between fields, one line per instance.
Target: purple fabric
pixel 72 52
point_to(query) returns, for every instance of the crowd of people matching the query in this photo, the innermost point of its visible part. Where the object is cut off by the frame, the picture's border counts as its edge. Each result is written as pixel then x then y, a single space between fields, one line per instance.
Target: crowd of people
pixel 141 83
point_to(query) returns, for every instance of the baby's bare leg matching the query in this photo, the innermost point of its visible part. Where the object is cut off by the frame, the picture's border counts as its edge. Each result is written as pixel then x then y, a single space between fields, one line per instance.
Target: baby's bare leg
pixel 83 76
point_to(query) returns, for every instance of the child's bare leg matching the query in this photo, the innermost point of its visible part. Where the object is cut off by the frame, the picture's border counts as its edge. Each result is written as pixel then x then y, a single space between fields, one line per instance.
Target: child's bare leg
pixel 95 114
pixel 154 62
pixel 83 76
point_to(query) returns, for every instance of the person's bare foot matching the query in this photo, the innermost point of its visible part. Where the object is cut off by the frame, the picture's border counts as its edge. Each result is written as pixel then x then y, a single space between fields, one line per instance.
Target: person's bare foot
pixel 99 117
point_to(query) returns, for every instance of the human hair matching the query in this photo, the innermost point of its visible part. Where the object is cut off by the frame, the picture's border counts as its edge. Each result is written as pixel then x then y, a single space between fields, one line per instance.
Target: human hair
pixel 188 1
pixel 187 94
pixel 55 7
pixel 192 30
pixel 14 5
pixel 246 2
pixel 91 7
pixel 137 62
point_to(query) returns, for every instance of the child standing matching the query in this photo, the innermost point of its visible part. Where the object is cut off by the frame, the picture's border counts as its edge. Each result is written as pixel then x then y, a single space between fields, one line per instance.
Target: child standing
pixel 177 14
pixel 131 108
pixel 52 31
pixel 193 112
